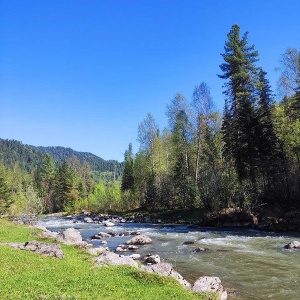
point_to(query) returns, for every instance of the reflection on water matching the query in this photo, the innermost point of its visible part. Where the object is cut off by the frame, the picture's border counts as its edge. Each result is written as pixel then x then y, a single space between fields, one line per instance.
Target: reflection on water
pixel 251 262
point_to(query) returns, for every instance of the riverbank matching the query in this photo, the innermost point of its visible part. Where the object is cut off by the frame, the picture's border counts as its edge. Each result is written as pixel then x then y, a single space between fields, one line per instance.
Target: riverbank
pixel 27 275
pixel 266 219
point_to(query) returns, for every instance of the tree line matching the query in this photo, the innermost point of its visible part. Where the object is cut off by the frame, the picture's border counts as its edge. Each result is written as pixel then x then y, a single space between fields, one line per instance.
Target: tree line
pixel 246 157
pixel 35 182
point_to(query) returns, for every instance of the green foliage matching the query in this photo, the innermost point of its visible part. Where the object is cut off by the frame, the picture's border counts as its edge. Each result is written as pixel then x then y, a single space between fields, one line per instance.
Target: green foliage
pixel 128 176
pixel 5 196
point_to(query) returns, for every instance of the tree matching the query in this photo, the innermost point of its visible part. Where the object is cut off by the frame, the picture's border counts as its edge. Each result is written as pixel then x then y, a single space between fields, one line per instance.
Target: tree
pixel 184 186
pixel 45 181
pixel 128 176
pixel 203 112
pixel 239 124
pixel 289 81
pixel 5 196
pixel 270 153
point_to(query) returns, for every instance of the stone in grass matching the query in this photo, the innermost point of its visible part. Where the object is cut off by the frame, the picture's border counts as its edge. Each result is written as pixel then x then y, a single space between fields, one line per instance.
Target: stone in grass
pixel 45 249
pixel 70 236
pixel 111 258
pixel 139 240
pixel 166 269
pixel 210 284
pixel 97 251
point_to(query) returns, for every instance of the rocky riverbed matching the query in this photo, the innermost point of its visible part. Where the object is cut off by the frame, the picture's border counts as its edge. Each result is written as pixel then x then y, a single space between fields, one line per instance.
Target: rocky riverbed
pixel 241 258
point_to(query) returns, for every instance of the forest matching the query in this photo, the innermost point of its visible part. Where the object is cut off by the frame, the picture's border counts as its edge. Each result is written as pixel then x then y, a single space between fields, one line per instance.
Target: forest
pixel 246 157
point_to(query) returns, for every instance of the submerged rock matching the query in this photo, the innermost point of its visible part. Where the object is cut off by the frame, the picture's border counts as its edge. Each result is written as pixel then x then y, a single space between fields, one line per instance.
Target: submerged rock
pixel 188 243
pixel 166 269
pixel 202 250
pixel 210 284
pixel 139 240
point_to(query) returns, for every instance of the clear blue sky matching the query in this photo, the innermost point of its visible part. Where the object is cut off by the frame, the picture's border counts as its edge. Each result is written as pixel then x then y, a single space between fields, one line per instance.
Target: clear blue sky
pixel 84 73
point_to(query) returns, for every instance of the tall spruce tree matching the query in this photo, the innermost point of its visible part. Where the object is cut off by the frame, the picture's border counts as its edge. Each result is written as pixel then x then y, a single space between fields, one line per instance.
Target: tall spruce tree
pixel 239 124
pixel 128 177
pixel 270 155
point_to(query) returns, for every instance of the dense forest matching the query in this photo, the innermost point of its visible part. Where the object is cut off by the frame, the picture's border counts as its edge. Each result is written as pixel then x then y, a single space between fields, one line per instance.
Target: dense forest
pixel 246 157
pixel 49 179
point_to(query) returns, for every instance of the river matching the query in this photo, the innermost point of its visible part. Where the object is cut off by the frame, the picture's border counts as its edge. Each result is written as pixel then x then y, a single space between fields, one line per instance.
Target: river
pixel 251 262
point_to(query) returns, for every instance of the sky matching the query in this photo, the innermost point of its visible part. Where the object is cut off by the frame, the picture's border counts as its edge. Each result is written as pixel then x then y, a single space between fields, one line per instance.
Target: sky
pixel 84 73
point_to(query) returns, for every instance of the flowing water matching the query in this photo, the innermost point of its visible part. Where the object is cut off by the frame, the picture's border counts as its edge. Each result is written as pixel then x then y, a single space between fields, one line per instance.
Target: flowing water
pixel 252 263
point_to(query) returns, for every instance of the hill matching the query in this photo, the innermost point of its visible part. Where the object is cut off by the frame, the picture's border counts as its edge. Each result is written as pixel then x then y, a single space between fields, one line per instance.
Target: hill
pixel 29 157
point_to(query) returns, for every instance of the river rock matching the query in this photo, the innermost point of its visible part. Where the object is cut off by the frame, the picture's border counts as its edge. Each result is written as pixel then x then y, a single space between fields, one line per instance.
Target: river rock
pixel 166 269
pixel 125 233
pixel 70 236
pixel 46 249
pixel 49 234
pixel 135 256
pixel 115 259
pixel 135 233
pixel 188 243
pixel 293 245
pixel 202 250
pixel 139 240
pixel 152 259
pixel 105 235
pixel 108 224
pixel 132 247
pixel 210 284
pixel 88 220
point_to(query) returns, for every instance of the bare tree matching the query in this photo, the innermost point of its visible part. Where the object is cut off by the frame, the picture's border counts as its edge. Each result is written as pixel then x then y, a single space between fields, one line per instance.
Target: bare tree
pixel 289 80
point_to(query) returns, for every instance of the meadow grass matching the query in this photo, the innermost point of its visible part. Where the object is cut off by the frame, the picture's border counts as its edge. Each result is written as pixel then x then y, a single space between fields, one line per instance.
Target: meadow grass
pixel 27 275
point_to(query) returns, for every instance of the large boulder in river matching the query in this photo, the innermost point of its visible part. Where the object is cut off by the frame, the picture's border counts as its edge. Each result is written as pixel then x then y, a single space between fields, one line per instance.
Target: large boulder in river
pixel 111 258
pixel 70 236
pixel 210 284
pixel 139 240
pixel 166 269
pixel 293 245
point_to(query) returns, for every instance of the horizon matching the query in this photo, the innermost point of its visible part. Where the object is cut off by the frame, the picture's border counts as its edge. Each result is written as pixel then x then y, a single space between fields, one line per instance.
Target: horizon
pixel 83 75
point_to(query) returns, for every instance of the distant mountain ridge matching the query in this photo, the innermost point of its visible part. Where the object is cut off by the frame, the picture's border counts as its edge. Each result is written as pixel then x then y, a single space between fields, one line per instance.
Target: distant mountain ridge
pixel 29 157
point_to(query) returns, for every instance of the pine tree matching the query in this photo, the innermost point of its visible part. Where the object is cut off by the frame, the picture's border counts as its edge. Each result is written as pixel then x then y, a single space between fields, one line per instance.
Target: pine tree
pixel 128 177
pixel 5 196
pixel 239 120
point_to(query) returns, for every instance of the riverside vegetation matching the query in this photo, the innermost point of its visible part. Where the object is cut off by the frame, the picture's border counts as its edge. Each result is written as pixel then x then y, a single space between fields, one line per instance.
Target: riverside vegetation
pixel 27 275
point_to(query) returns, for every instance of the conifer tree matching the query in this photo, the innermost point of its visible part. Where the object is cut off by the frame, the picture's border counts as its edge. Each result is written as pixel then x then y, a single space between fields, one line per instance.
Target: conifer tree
pixel 240 121
pixel 128 177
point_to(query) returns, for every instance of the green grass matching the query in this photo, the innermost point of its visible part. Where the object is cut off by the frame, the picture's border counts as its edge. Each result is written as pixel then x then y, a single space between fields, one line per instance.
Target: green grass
pixel 27 275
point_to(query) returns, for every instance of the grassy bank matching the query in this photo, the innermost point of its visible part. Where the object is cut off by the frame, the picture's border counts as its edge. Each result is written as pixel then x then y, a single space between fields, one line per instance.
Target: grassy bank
pixel 27 275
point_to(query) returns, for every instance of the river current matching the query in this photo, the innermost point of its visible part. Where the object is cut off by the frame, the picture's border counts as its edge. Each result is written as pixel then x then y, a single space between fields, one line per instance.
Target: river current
pixel 251 263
